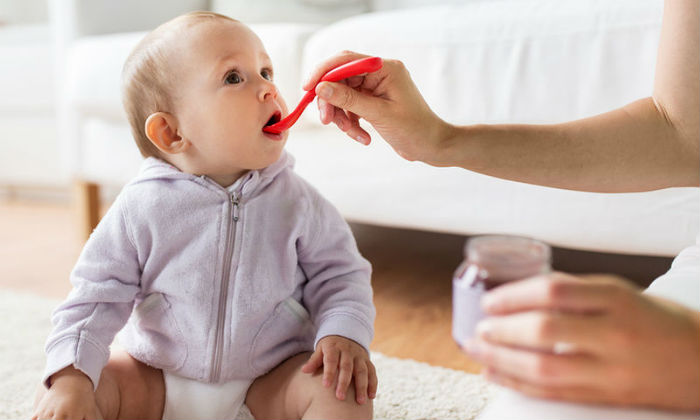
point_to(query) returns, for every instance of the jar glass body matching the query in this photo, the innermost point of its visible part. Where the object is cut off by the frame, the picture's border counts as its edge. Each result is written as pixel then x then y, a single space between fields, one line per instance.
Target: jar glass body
pixel 491 261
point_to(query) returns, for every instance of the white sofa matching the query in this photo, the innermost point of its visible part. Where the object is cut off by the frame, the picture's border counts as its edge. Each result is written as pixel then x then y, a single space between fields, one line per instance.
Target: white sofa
pixel 475 61
pixel 28 146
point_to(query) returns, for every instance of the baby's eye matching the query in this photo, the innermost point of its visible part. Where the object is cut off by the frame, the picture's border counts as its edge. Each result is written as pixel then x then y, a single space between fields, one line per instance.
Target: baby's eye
pixel 266 74
pixel 233 78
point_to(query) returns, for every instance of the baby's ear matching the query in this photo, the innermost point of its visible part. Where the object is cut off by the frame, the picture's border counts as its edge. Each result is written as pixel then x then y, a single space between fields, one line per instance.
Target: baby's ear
pixel 161 130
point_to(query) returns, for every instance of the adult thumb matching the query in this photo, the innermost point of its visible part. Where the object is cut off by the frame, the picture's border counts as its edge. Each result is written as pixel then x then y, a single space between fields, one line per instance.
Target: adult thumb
pixel 347 98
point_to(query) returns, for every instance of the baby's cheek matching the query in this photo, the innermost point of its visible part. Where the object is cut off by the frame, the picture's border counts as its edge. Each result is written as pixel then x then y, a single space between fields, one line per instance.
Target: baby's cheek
pixel 283 104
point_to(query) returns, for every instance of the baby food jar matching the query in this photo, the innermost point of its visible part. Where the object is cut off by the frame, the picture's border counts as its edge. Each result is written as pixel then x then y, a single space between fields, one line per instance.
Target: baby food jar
pixel 490 261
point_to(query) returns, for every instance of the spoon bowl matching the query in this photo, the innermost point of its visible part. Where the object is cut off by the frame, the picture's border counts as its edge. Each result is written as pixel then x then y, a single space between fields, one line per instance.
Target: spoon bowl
pixel 353 68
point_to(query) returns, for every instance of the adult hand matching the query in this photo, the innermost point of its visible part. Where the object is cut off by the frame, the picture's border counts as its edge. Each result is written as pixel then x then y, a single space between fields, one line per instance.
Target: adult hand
pixel 388 99
pixel 590 340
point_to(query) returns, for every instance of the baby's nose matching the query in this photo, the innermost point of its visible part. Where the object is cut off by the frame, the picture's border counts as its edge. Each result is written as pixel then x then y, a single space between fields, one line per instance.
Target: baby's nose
pixel 268 91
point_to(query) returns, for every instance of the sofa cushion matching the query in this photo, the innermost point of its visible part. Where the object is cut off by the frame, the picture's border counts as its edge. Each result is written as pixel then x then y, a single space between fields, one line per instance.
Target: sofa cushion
pixel 93 74
pixel 514 60
pixel 95 63
pixel 26 79
pixel 109 142
pixel 284 43
pixel 373 184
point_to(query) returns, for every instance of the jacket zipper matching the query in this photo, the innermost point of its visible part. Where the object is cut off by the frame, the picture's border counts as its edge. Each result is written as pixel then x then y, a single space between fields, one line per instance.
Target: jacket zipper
pixel 215 373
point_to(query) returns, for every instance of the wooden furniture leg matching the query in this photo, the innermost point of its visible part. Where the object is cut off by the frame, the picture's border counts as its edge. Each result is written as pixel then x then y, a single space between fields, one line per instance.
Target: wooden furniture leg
pixel 87 204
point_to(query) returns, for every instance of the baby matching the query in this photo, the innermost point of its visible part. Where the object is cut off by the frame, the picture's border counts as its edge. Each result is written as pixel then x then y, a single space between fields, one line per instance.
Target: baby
pixel 222 268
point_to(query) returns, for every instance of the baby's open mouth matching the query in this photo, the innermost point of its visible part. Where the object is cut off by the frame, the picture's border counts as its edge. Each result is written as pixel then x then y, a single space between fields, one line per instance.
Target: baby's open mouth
pixel 275 118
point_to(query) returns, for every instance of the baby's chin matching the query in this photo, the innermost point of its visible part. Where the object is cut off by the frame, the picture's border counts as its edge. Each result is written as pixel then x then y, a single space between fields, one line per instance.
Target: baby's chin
pixel 268 158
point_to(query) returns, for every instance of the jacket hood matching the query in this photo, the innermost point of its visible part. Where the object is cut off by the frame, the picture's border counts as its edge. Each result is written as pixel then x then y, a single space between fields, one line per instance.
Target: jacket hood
pixel 157 169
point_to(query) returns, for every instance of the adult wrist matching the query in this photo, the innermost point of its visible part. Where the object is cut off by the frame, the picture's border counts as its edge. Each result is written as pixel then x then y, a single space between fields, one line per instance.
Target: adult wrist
pixel 444 149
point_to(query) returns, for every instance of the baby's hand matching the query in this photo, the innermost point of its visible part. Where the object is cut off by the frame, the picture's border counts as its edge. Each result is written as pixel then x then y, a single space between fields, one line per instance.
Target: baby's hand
pixel 336 354
pixel 71 396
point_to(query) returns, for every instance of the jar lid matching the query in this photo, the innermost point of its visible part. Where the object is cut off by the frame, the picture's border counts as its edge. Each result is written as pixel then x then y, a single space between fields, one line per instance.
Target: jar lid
pixel 509 256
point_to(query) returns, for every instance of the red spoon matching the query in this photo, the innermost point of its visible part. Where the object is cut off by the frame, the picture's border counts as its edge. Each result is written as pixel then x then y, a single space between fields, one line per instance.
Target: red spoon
pixel 353 68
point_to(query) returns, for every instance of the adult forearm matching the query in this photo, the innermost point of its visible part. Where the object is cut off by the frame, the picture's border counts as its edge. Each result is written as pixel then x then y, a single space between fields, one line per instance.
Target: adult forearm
pixel 634 148
pixel 649 144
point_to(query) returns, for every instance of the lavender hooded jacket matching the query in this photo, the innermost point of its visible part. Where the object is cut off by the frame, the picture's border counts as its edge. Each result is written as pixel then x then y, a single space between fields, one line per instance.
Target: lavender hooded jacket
pixel 213 283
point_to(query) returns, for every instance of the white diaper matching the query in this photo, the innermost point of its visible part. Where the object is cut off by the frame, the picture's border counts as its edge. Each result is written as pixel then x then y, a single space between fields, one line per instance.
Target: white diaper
pixel 190 399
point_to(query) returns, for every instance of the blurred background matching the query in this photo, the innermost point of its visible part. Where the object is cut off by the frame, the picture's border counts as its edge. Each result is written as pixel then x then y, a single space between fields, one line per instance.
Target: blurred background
pixel 65 147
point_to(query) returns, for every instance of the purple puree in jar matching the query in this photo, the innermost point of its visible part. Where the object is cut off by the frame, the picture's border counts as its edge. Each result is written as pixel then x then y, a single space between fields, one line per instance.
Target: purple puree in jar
pixel 491 261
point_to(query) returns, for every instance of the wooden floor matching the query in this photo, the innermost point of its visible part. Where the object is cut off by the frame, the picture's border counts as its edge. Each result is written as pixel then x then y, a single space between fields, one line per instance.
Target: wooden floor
pixel 412 274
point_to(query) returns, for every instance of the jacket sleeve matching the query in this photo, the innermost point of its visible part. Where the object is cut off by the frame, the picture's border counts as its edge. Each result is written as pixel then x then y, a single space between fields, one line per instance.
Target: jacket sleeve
pixel 105 281
pixel 338 292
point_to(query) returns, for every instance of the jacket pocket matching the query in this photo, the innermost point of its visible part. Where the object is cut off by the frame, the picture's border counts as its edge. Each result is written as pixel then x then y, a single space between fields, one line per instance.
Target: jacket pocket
pixel 286 332
pixel 160 340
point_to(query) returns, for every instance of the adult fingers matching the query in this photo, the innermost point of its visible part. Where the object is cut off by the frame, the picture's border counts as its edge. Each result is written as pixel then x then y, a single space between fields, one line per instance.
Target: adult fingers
pixel 342 96
pixel 356 132
pixel 360 375
pixel 554 291
pixel 344 376
pixel 545 330
pixel 341 120
pixel 539 368
pixel 349 123
pixel 329 113
pixel 329 64
pixel 326 111
pixel 582 394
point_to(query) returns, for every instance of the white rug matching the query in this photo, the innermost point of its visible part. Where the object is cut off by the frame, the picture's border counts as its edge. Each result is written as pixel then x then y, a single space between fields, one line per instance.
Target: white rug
pixel 407 389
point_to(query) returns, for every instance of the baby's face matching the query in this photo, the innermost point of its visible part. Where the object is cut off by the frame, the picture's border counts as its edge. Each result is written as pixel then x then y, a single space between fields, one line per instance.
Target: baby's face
pixel 224 95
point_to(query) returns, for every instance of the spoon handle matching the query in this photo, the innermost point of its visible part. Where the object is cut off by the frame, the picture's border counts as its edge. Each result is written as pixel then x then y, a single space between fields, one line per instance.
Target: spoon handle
pixel 353 68
pixel 293 116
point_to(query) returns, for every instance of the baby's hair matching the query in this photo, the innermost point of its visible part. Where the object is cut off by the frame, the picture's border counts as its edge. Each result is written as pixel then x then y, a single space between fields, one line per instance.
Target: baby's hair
pixel 147 79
